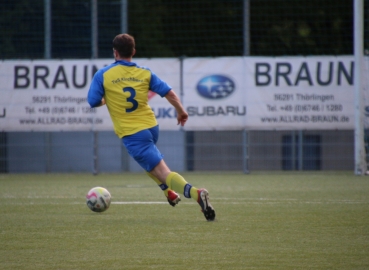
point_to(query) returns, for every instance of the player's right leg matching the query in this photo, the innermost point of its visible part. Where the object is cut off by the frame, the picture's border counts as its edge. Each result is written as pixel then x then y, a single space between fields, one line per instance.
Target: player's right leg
pixel 141 147
pixel 176 182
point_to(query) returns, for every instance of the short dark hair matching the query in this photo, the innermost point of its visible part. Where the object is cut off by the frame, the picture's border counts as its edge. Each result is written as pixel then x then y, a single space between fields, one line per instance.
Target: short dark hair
pixel 124 44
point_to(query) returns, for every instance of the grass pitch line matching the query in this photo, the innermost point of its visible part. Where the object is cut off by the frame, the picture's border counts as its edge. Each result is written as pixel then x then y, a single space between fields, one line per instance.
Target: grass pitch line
pixel 139 202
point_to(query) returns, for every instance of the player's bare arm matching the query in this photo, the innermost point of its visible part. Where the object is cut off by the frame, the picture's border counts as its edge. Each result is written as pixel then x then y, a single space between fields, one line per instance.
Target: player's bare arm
pixel 173 99
pixel 102 103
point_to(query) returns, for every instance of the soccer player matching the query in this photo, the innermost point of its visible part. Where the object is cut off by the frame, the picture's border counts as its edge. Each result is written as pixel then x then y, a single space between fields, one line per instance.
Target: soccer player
pixel 123 87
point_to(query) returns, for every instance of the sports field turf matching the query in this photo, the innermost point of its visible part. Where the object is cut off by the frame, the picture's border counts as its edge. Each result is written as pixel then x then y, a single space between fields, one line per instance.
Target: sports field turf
pixel 269 220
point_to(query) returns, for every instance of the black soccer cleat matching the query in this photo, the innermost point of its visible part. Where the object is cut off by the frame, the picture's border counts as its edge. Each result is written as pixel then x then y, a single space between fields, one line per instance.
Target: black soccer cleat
pixel 206 207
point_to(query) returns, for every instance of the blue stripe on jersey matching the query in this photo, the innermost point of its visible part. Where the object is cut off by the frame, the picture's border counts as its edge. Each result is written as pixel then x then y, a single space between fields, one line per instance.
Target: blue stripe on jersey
pixel 96 91
pixel 157 86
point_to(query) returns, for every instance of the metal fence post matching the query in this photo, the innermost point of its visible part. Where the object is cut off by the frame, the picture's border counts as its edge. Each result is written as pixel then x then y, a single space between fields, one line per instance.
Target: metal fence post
pixel 246 27
pixel 124 16
pixel 94 54
pixel 245 158
pixel 301 156
pixel 48 160
pixel 293 155
pixel 47 25
pixel 3 152
pixel 94 29
pixel 360 161
pixel 95 141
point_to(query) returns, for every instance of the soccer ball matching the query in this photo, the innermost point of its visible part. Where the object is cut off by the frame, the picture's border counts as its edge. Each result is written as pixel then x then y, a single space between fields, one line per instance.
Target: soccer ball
pixel 98 199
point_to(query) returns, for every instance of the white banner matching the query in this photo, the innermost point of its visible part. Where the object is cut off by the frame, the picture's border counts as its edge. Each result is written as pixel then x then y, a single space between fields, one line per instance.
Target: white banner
pixel 214 93
pixel 52 95
pixel 225 93
pixel 270 93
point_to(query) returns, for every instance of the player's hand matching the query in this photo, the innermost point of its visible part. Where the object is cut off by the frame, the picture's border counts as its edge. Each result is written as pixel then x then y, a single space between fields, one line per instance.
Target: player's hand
pixel 182 118
pixel 102 102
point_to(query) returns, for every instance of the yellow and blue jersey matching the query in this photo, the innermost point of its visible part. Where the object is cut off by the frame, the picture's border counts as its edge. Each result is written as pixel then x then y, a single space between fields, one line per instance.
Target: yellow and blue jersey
pixel 125 87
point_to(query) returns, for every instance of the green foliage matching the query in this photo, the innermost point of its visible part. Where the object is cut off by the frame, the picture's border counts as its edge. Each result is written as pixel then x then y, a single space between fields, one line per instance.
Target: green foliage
pixel 264 221
pixel 301 27
pixel 21 29
pixel 193 28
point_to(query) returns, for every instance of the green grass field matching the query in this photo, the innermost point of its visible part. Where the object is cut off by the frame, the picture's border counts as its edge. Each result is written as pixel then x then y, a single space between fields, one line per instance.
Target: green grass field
pixel 264 221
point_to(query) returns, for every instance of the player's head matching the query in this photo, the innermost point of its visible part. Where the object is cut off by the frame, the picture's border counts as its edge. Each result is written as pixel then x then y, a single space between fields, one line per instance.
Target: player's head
pixel 124 44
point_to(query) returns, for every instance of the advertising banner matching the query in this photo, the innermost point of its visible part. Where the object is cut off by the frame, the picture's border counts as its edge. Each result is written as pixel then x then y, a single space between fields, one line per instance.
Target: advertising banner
pixel 269 93
pixel 52 95
pixel 214 93
pixel 224 93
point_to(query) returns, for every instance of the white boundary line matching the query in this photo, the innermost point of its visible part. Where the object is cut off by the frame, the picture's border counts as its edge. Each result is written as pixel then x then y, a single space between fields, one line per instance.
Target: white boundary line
pixel 139 203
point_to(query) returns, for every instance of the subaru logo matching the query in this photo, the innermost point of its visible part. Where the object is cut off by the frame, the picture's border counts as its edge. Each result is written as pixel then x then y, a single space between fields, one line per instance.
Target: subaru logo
pixel 215 87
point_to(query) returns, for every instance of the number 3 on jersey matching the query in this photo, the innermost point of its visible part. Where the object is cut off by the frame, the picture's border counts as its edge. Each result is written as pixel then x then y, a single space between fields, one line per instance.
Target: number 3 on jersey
pixel 131 99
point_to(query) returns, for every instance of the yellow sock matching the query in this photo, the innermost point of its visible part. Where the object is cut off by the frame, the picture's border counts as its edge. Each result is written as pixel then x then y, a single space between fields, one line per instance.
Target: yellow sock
pixel 162 186
pixel 177 183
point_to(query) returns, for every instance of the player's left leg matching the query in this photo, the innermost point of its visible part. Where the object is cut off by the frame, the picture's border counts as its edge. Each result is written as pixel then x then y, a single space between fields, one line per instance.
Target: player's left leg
pixel 172 197
pixel 141 147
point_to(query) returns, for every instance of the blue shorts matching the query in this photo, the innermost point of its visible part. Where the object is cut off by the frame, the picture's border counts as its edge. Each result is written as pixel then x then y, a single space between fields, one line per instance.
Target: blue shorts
pixel 141 146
